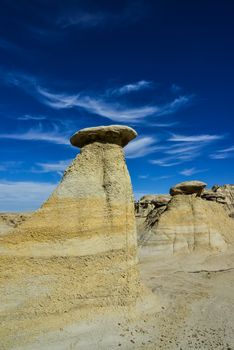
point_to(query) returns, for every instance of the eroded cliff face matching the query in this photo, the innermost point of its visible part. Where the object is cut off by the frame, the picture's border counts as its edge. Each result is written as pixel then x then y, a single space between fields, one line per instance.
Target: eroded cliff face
pixel 78 250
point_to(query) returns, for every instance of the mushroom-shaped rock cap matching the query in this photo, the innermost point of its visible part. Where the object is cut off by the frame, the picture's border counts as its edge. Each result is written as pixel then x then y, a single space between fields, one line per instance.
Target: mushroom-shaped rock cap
pixel 117 134
pixel 188 187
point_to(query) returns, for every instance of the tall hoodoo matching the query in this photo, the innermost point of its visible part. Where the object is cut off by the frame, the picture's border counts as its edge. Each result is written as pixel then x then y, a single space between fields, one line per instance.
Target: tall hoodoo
pixel 80 246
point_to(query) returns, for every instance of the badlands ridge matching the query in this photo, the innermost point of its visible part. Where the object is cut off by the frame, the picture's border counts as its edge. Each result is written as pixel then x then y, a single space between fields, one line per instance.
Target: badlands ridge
pixel 77 274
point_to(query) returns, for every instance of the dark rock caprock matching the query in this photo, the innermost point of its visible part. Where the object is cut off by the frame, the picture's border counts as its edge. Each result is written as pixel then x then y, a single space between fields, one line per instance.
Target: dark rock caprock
pixel 188 187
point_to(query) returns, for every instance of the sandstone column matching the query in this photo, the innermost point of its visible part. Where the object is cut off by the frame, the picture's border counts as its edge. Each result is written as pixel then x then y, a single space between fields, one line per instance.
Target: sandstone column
pixel 80 247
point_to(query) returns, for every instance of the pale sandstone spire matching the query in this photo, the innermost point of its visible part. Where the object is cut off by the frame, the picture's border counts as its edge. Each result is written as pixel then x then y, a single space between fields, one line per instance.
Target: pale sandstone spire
pixel 80 248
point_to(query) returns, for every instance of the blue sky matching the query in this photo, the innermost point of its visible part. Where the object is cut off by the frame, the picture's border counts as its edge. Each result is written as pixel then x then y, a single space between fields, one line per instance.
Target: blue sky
pixel 163 67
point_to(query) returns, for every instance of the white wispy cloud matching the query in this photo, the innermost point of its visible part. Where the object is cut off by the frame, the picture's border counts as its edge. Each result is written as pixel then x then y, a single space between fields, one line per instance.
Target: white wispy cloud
pixel 143 177
pixel 184 148
pixel 192 171
pixel 96 103
pixel 10 165
pixel 128 88
pixel 163 177
pixel 111 110
pixel 163 125
pixel 3 167
pixel 84 20
pixel 58 166
pixel 175 88
pixel 223 153
pixel 130 13
pixel 38 134
pixel 181 149
pixel 195 138
pixel 114 111
pixel 167 161
pixel 141 147
pixel 219 155
pixel 31 117
pixel 176 105
pixel 9 45
pixel 178 153
pixel 23 195
pixel 22 80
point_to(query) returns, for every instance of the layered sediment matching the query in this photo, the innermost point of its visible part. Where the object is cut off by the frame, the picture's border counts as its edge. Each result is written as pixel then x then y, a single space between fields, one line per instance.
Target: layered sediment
pixel 80 248
pixel 9 221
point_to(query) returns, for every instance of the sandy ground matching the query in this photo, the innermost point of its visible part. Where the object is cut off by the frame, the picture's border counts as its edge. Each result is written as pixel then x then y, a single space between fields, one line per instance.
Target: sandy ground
pixel 191 307
pixel 189 304
pixel 199 296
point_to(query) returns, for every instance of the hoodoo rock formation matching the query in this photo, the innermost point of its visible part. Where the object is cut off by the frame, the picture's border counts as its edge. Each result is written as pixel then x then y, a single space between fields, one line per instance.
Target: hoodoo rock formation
pixel 223 195
pixel 79 248
pixel 187 224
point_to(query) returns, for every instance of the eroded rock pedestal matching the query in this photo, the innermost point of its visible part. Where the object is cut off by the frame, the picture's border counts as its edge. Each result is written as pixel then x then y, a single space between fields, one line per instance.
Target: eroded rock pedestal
pixel 187 224
pixel 79 248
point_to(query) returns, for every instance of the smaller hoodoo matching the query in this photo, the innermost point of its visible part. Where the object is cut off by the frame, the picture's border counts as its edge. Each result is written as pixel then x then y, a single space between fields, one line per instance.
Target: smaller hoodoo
pixel 188 223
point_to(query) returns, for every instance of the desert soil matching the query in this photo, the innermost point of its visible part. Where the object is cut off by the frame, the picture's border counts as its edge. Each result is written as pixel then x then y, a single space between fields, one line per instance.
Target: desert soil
pixel 192 307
